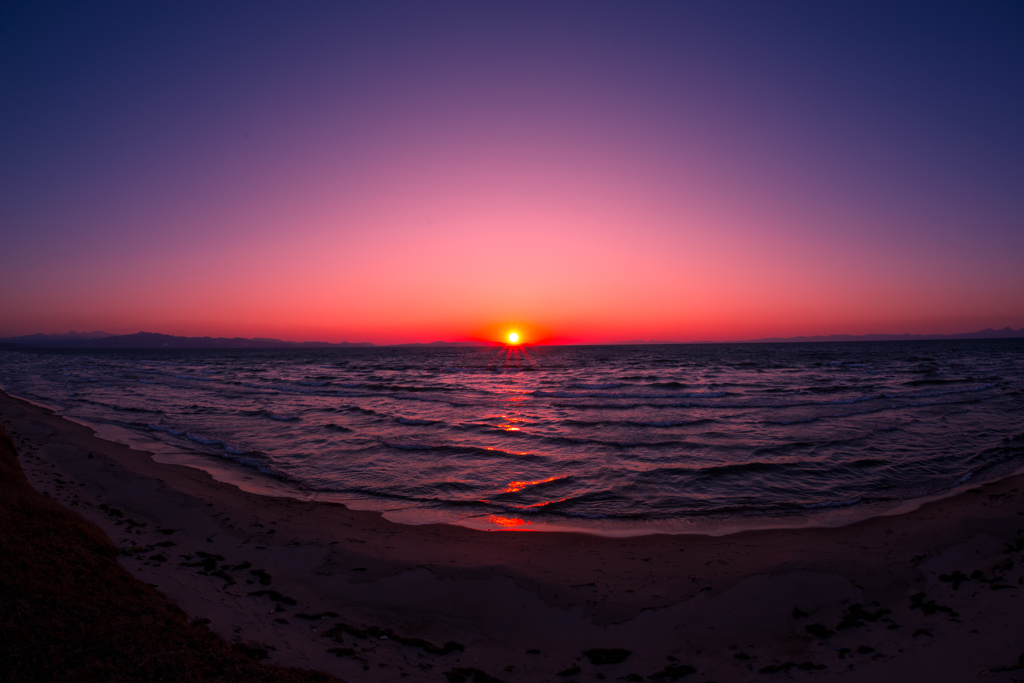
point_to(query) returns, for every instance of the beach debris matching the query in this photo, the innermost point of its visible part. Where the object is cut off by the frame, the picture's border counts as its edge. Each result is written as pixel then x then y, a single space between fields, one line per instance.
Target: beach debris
pixel 672 672
pixel 786 666
pixel 346 652
pixel 470 675
pixel 253 649
pixel 571 671
pixel 1015 547
pixel 856 615
pixel 338 630
pixel 614 655
pixel 313 617
pixel 263 576
pixel 207 561
pixel 208 565
pixel 274 595
pixel 113 512
pixel 917 601
pixel 819 631
pixel 1011 667
pixel 956 578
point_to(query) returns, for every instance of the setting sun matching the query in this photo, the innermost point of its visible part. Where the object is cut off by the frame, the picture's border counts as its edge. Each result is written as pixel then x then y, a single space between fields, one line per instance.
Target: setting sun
pixel 513 337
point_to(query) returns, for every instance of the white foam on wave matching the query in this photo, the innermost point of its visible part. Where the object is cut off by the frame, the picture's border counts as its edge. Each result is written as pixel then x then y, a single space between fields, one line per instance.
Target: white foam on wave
pixel 203 440
pixel 413 421
pixel 832 504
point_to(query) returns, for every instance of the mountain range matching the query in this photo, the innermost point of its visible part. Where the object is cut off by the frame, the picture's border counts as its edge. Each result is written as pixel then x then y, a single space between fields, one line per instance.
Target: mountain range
pixel 153 340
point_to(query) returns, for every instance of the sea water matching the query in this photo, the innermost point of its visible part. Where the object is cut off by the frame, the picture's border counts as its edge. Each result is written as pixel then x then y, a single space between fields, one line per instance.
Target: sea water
pixel 613 437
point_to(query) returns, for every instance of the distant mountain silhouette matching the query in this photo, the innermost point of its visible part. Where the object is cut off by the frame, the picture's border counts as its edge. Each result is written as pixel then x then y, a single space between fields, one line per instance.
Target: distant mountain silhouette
pixel 68 336
pixel 445 343
pixel 152 340
pixel 988 333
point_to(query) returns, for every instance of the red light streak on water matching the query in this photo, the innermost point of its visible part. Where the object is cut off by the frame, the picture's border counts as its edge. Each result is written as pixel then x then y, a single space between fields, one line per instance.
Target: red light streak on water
pixel 520 485
pixel 507 522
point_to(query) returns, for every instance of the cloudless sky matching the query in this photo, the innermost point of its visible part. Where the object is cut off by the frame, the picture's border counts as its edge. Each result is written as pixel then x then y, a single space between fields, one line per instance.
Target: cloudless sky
pixel 583 171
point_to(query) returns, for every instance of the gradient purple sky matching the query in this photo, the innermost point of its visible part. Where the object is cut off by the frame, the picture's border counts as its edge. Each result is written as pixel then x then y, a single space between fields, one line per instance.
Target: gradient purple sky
pixel 395 172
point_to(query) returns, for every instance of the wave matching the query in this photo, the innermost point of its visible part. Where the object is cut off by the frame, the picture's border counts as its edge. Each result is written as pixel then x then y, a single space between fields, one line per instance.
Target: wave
pixel 577 394
pixel 677 430
pixel 832 504
pixel 453 448
pixel 828 417
pixel 205 440
pixel 640 423
pixel 926 394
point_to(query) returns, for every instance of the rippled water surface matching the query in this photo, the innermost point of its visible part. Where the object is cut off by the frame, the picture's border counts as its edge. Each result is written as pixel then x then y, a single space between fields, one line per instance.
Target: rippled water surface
pixel 635 434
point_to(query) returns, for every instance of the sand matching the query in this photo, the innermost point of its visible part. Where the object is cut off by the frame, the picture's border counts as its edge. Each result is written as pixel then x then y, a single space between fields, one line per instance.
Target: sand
pixel 934 594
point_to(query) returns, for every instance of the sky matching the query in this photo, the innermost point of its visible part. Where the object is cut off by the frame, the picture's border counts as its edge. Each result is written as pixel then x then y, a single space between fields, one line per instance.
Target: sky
pixel 583 172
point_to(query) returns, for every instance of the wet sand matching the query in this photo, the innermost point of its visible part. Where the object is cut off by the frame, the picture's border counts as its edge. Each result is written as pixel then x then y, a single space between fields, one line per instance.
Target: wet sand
pixel 934 594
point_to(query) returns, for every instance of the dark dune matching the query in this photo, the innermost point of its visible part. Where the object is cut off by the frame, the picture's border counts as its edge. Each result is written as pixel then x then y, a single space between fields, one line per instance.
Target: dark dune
pixel 70 612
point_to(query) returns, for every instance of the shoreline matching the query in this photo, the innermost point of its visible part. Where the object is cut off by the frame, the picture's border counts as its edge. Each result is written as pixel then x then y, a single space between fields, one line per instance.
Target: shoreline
pixel 285 572
pixel 253 481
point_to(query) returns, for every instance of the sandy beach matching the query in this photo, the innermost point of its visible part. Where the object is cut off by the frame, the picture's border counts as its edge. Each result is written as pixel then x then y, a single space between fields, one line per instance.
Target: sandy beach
pixel 934 594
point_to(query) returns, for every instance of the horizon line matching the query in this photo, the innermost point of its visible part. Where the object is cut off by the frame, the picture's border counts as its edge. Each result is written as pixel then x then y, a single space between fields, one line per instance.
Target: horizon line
pixel 66 340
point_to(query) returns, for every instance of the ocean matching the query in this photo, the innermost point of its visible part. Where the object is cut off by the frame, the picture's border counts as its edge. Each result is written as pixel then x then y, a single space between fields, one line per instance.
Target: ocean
pixel 616 439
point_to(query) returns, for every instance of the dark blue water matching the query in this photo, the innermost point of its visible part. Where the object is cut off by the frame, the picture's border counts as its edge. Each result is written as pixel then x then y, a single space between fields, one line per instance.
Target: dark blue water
pixel 636 434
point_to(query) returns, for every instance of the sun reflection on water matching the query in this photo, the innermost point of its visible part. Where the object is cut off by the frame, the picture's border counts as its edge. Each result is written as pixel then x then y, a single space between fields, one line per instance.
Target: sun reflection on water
pixel 514 486
pixel 506 522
